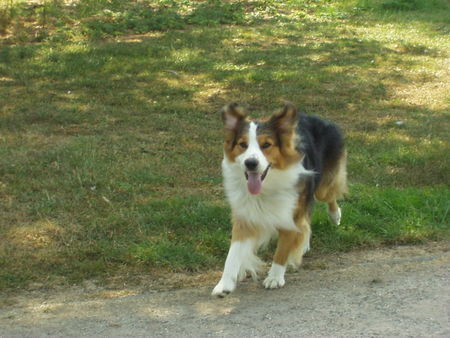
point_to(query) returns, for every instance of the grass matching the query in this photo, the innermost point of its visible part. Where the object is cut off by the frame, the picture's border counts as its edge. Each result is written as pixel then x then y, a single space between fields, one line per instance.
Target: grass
pixel 110 144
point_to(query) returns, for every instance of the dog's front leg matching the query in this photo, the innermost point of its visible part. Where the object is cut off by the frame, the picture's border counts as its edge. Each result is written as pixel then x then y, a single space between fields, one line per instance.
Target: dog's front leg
pixel 291 246
pixel 239 250
pixel 241 257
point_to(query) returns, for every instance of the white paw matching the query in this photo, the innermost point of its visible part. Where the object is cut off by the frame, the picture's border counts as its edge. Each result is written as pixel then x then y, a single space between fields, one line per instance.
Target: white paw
pixel 335 216
pixel 274 282
pixel 223 288
pixel 307 247
pixel 275 278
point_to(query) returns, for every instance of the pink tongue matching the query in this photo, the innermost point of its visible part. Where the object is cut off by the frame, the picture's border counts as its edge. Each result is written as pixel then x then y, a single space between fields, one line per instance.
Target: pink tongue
pixel 254 183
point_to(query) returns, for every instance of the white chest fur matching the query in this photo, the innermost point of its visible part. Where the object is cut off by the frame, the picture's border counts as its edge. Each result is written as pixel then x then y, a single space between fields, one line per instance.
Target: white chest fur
pixel 274 207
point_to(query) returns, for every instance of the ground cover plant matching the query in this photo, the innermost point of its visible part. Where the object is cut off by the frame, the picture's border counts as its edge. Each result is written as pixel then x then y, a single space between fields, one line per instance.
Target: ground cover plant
pixel 110 140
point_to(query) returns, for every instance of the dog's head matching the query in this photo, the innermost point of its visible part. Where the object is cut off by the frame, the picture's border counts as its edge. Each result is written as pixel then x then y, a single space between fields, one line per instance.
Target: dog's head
pixel 258 146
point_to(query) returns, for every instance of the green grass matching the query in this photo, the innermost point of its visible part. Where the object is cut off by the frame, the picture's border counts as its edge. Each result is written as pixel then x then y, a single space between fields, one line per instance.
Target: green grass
pixel 110 141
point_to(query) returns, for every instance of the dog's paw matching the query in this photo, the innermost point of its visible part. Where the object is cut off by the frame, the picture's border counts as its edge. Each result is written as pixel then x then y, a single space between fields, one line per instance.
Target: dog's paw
pixel 335 216
pixel 275 278
pixel 274 282
pixel 223 288
pixel 306 247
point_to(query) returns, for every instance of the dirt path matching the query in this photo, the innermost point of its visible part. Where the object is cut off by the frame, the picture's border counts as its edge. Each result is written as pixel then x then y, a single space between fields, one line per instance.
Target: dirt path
pixel 386 292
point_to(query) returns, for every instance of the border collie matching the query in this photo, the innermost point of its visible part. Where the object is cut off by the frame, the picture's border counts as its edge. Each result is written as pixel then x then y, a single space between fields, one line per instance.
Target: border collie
pixel 273 170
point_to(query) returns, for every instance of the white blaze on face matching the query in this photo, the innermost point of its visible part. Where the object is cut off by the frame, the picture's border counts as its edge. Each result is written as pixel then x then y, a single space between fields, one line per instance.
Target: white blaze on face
pixel 254 180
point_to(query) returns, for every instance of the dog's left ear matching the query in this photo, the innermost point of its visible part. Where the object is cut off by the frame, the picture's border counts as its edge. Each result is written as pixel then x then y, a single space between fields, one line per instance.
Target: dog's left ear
pixel 284 121
pixel 232 115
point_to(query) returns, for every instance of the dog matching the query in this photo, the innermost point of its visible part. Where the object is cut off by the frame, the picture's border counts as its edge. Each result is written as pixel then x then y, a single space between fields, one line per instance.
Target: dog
pixel 273 171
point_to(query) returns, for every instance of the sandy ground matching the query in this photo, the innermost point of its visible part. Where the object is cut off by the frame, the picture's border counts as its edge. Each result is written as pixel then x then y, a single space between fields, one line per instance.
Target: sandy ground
pixel 385 292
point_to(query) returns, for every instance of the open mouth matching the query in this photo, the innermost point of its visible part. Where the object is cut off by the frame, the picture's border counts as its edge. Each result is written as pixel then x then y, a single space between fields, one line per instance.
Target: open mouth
pixel 255 179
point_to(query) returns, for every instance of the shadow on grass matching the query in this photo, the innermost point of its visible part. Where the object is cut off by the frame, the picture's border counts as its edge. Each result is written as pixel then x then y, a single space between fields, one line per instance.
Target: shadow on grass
pixel 406 151
pixel 93 82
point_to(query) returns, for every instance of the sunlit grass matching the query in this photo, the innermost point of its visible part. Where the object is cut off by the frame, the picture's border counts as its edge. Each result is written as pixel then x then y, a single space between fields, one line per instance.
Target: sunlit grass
pixel 110 149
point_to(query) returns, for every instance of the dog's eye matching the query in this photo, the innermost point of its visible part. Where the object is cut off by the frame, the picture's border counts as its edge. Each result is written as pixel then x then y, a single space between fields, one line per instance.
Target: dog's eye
pixel 266 145
pixel 243 145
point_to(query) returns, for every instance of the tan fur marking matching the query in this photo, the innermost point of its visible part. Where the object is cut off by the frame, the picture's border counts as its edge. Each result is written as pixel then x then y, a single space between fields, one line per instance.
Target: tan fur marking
pixel 280 156
pixel 333 206
pixel 288 240
pixel 234 117
pixel 263 138
pixel 334 182
pixel 242 231
pixel 288 151
pixel 291 243
pixel 234 151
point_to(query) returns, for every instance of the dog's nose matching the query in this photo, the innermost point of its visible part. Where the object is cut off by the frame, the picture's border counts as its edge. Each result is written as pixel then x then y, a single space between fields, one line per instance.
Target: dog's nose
pixel 251 164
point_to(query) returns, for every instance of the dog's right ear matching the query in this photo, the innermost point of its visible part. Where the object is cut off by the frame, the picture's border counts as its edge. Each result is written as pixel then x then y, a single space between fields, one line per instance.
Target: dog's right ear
pixel 284 121
pixel 232 115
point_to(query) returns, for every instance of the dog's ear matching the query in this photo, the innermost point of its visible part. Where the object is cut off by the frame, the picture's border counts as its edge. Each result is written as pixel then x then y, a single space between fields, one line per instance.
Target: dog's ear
pixel 285 120
pixel 232 115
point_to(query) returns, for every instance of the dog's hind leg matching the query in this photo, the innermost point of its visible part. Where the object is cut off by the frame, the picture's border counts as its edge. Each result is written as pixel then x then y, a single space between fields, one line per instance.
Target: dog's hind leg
pixel 334 212
pixel 333 186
